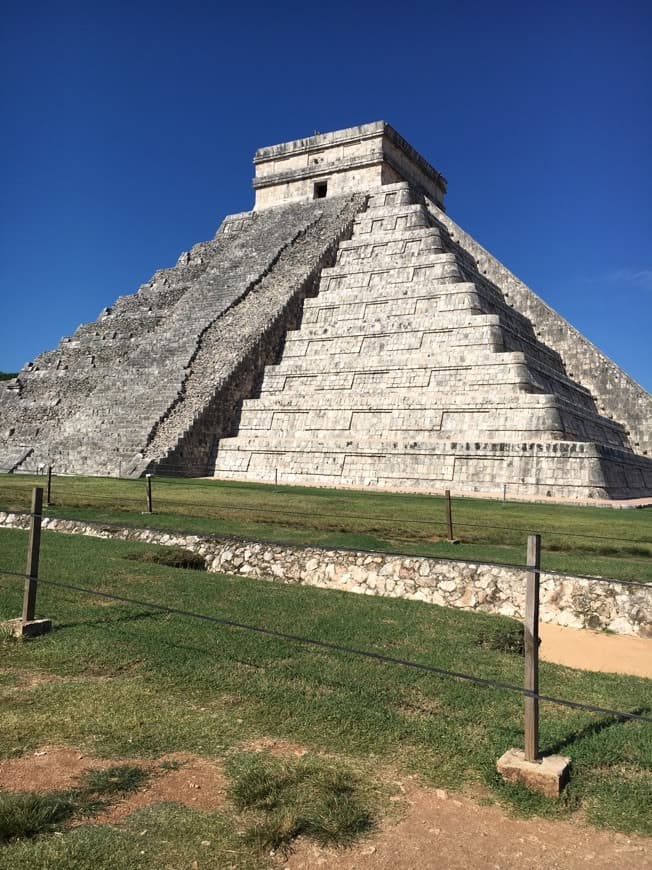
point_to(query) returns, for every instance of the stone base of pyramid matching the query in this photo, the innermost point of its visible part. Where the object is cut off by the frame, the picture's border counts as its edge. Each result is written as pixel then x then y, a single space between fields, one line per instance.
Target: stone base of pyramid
pixel 554 469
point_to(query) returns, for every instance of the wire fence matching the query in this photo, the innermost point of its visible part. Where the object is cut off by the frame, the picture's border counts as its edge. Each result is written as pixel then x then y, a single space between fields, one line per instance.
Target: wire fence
pixel 334 647
pixel 562 575
pixel 532 696
pixel 222 503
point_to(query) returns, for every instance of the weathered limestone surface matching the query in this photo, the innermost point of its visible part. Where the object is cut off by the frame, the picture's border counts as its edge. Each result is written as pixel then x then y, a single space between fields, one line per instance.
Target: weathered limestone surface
pixel 617 395
pixel 126 390
pixel 232 352
pixel 412 371
pixel 566 601
pixel 345 161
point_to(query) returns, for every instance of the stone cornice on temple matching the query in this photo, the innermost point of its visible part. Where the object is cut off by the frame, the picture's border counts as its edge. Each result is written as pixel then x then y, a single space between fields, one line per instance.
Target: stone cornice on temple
pixel 357 159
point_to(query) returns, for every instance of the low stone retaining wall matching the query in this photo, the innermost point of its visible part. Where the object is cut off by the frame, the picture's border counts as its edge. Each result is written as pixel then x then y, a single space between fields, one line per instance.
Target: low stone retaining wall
pixel 566 601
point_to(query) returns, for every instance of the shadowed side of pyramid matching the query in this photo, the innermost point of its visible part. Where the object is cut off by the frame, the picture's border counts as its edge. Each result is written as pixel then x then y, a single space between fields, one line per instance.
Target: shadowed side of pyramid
pixel 124 392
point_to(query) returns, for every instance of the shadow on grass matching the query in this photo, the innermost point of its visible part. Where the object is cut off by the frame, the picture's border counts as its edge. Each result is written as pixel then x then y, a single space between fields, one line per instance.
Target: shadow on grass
pixel 593 729
pixel 89 623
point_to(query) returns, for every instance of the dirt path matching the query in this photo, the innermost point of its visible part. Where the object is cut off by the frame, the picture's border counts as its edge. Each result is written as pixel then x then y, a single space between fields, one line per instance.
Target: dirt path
pixel 443 832
pixel 596 651
pixel 432 829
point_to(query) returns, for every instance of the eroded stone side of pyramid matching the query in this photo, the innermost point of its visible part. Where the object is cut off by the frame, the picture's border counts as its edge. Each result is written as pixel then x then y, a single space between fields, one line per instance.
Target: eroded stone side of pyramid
pixel 132 388
pixel 412 370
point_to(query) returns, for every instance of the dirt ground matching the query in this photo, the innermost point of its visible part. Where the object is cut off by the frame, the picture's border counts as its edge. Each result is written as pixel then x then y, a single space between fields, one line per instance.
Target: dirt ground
pixel 596 651
pixel 193 781
pixel 440 830
pixel 431 829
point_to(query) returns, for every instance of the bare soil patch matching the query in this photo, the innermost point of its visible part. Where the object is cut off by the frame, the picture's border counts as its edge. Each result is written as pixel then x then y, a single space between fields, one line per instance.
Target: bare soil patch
pixel 195 782
pixel 596 651
pixel 440 830
pixel 436 829
pixel 50 768
pixel 276 747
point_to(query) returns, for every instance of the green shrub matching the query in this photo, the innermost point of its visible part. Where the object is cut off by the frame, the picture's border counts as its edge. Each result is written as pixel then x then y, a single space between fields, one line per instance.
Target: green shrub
pixel 502 635
pixel 113 780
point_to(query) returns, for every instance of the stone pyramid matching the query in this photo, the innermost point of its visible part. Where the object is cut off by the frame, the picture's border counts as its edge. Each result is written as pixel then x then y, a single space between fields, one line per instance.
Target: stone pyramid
pixel 346 332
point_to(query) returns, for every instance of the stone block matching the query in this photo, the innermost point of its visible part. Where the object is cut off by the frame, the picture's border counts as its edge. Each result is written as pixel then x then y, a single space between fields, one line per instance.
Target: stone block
pixel 548 776
pixel 31 628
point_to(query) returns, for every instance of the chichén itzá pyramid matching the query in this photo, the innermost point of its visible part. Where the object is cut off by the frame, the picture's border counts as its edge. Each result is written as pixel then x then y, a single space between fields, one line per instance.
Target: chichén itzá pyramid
pixel 345 332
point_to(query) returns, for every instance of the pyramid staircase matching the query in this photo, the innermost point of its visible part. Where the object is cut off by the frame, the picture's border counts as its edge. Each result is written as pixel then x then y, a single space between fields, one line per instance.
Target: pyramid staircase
pixel 411 371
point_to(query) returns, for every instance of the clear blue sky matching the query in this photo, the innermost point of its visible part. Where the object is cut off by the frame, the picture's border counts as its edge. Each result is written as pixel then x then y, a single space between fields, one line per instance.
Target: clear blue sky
pixel 129 130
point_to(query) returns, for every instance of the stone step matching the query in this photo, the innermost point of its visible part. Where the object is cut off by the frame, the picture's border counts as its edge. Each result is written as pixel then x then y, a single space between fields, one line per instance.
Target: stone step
pixel 389 325
pixel 434 359
pixel 356 243
pixel 367 423
pixel 390 251
pixel 513 424
pixel 391 219
pixel 499 399
pixel 486 331
pixel 412 297
pixel 467 378
pixel 324 323
pixel 431 266
pixel 384 444
pixel 553 463
pixel 417 400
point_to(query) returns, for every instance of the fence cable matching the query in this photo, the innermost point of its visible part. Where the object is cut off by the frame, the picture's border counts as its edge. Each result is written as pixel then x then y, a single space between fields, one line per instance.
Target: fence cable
pixel 430 522
pixel 564 575
pixel 484 681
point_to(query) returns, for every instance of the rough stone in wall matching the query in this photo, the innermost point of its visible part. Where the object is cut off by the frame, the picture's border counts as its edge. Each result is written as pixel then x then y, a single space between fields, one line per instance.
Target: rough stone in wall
pixel 570 601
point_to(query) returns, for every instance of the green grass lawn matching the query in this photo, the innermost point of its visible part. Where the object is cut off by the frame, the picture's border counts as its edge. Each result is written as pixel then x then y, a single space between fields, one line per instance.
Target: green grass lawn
pixel 125 682
pixel 588 540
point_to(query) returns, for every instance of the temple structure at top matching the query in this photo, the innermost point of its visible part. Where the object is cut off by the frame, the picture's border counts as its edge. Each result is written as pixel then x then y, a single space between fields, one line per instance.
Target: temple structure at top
pixel 346 161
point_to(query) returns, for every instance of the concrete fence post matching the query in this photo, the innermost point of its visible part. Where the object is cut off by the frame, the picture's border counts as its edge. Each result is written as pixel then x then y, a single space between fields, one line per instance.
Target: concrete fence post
pixel 28 625
pixel 33 553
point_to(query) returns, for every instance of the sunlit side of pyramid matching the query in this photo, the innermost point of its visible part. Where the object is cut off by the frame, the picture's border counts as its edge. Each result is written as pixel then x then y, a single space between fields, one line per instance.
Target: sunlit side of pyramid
pixel 423 364
pixel 345 332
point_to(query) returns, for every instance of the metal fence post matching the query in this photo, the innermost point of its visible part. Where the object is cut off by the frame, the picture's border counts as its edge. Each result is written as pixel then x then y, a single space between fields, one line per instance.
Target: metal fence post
pixel 531 639
pixel 48 497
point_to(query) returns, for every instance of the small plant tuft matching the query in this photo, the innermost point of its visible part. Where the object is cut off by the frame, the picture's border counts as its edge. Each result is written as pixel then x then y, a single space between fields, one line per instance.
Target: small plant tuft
pixel 7 636
pixel 24 815
pixel 172 557
pixel 290 797
pixel 120 779
pixel 502 635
